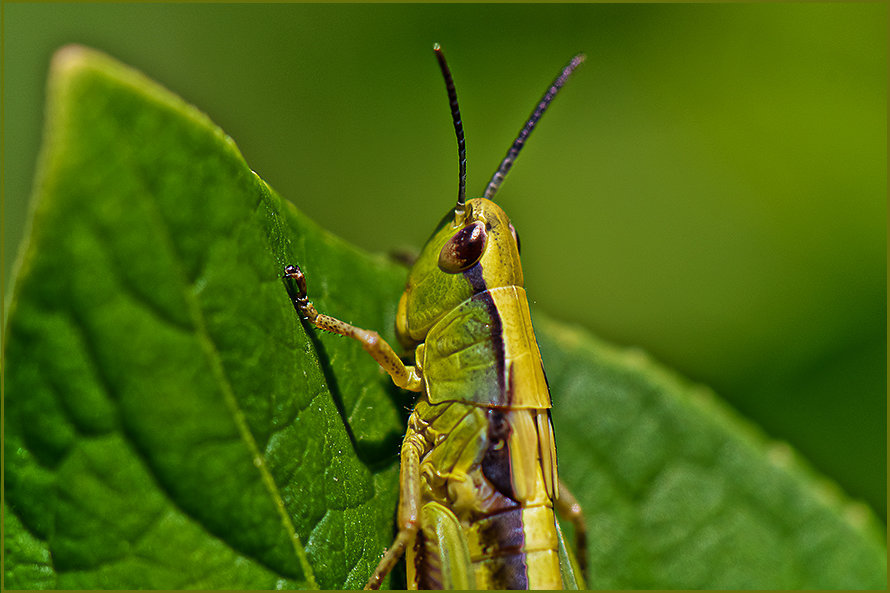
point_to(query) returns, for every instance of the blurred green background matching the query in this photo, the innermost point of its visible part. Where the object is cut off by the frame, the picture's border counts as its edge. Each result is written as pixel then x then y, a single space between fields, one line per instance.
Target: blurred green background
pixel 711 186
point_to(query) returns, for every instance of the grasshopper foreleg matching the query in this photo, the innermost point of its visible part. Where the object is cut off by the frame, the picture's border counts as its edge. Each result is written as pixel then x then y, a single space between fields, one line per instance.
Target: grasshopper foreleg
pixel 404 376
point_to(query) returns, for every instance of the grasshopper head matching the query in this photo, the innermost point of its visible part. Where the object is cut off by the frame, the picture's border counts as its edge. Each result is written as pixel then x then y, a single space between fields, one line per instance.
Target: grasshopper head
pixel 466 255
pixel 476 248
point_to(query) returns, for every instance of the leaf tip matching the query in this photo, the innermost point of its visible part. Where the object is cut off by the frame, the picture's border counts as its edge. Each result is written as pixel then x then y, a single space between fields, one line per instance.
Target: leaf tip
pixel 68 58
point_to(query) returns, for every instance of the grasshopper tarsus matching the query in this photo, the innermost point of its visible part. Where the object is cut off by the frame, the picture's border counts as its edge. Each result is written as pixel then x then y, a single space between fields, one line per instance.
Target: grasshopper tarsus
pixel 295 284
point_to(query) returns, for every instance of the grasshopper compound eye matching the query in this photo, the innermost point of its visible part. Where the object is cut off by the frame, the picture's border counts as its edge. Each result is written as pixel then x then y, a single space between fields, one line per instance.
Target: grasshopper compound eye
pixel 464 249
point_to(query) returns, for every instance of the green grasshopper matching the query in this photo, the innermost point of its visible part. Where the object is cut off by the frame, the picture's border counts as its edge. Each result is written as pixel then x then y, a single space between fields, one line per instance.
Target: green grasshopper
pixel 478 480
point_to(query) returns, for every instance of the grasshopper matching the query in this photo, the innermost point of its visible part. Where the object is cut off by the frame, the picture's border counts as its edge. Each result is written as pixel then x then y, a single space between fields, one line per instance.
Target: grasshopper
pixel 478 481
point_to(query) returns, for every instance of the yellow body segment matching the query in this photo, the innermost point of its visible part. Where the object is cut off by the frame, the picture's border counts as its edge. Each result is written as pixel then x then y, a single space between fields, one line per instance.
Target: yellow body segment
pixel 458 356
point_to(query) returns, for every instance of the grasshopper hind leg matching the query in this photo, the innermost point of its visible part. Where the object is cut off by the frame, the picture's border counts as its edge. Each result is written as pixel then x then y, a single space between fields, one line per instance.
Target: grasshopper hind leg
pixel 568 507
pixel 445 556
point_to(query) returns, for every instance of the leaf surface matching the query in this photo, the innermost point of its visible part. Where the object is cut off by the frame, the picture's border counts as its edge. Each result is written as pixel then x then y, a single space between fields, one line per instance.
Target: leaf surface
pixel 170 423
pixel 681 493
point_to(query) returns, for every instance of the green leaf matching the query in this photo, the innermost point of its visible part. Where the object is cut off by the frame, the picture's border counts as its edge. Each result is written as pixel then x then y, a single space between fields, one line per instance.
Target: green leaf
pixel 170 423
pixel 681 493
pixel 27 559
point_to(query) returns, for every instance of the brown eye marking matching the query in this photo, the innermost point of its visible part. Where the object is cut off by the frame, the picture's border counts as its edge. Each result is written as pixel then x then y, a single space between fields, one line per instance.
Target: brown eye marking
pixel 516 236
pixel 464 249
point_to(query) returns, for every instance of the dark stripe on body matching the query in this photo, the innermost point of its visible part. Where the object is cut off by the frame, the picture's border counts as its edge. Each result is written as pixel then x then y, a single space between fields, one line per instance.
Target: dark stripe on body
pixel 508 572
pixel 480 289
pixel 503 531
pixel 496 462
pixel 474 277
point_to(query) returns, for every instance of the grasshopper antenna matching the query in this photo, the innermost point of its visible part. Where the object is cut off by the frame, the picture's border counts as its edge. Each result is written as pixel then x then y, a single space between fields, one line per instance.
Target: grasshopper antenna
pixel 459 209
pixel 507 163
